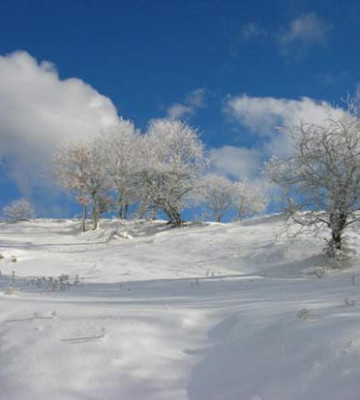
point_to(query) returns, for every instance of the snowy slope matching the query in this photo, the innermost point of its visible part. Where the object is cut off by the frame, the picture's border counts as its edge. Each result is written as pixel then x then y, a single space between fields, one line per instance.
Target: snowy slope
pixel 220 311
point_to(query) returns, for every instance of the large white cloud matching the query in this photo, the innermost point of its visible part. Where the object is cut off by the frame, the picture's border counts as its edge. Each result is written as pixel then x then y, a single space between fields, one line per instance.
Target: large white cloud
pixel 38 110
pixel 263 115
pixel 264 118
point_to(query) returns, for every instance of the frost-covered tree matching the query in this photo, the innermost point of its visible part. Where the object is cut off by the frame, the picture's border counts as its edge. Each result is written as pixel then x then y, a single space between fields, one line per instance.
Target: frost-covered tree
pixel 217 194
pixel 322 178
pixel 71 163
pixel 18 210
pixel 249 198
pixel 170 166
pixel 121 143
pixel 80 167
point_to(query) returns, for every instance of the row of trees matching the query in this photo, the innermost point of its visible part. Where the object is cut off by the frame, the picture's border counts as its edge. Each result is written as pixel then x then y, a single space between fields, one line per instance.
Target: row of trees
pixel 165 170
pixel 161 170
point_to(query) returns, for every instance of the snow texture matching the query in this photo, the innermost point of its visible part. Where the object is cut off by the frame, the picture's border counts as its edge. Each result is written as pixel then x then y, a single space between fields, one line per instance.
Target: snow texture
pixel 142 311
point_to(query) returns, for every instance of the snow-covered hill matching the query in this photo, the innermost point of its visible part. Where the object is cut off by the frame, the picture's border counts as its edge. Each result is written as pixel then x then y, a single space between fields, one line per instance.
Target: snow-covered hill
pixel 204 312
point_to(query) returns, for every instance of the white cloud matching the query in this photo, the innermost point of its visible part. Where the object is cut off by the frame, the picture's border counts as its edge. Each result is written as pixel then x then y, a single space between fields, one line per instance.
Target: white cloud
pixel 303 32
pixel 237 162
pixel 192 103
pixel 248 32
pixel 178 111
pixel 251 30
pixel 38 110
pixel 263 116
pixel 196 98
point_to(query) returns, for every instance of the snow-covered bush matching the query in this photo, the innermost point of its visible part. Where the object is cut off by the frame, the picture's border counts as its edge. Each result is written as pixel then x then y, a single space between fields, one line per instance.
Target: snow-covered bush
pixel 18 210
pixel 217 194
pixel 249 198
pixel 10 290
pixel 306 313
pixel 349 302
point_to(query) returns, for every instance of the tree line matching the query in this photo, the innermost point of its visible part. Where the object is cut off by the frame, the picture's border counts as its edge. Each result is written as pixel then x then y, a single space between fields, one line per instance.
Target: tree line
pixel 166 169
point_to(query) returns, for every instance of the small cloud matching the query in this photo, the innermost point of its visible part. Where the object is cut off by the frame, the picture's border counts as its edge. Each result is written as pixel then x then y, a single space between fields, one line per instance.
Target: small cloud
pixel 236 162
pixel 248 32
pixel 326 79
pixel 334 78
pixel 251 31
pixel 302 33
pixel 196 98
pixel 192 103
pixel 178 111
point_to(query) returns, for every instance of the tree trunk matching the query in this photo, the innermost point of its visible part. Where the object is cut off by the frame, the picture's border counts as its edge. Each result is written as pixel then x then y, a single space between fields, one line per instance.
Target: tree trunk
pixel 126 209
pixel 120 206
pixel 337 226
pixel 142 211
pixel 174 216
pixel 83 218
pixel 95 212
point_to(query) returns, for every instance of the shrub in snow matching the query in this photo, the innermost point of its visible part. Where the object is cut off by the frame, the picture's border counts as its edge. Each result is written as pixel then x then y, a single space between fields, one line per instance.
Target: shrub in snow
pixel 306 313
pixel 320 272
pixel 10 290
pixel 349 302
pixel 18 210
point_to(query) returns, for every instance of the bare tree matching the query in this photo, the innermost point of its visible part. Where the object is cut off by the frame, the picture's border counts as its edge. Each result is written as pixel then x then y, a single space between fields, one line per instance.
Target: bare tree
pixel 71 163
pixel 249 198
pixel 121 142
pixel 19 210
pixel 217 193
pixel 79 167
pixel 321 179
pixel 170 166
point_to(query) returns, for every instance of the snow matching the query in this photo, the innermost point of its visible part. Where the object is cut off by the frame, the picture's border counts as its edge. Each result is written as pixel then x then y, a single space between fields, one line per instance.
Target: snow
pixel 203 312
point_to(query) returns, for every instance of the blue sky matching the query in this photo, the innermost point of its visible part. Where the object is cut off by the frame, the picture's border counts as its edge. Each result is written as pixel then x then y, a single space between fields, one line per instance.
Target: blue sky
pixel 233 69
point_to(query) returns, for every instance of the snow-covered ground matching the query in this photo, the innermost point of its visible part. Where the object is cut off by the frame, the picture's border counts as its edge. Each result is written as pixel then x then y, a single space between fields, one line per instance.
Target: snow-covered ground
pixel 222 311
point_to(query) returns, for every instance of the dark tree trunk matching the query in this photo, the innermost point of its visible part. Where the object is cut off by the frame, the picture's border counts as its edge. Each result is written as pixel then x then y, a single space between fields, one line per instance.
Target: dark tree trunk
pixel 174 216
pixel 126 210
pixel 120 206
pixel 95 211
pixel 337 226
pixel 83 218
